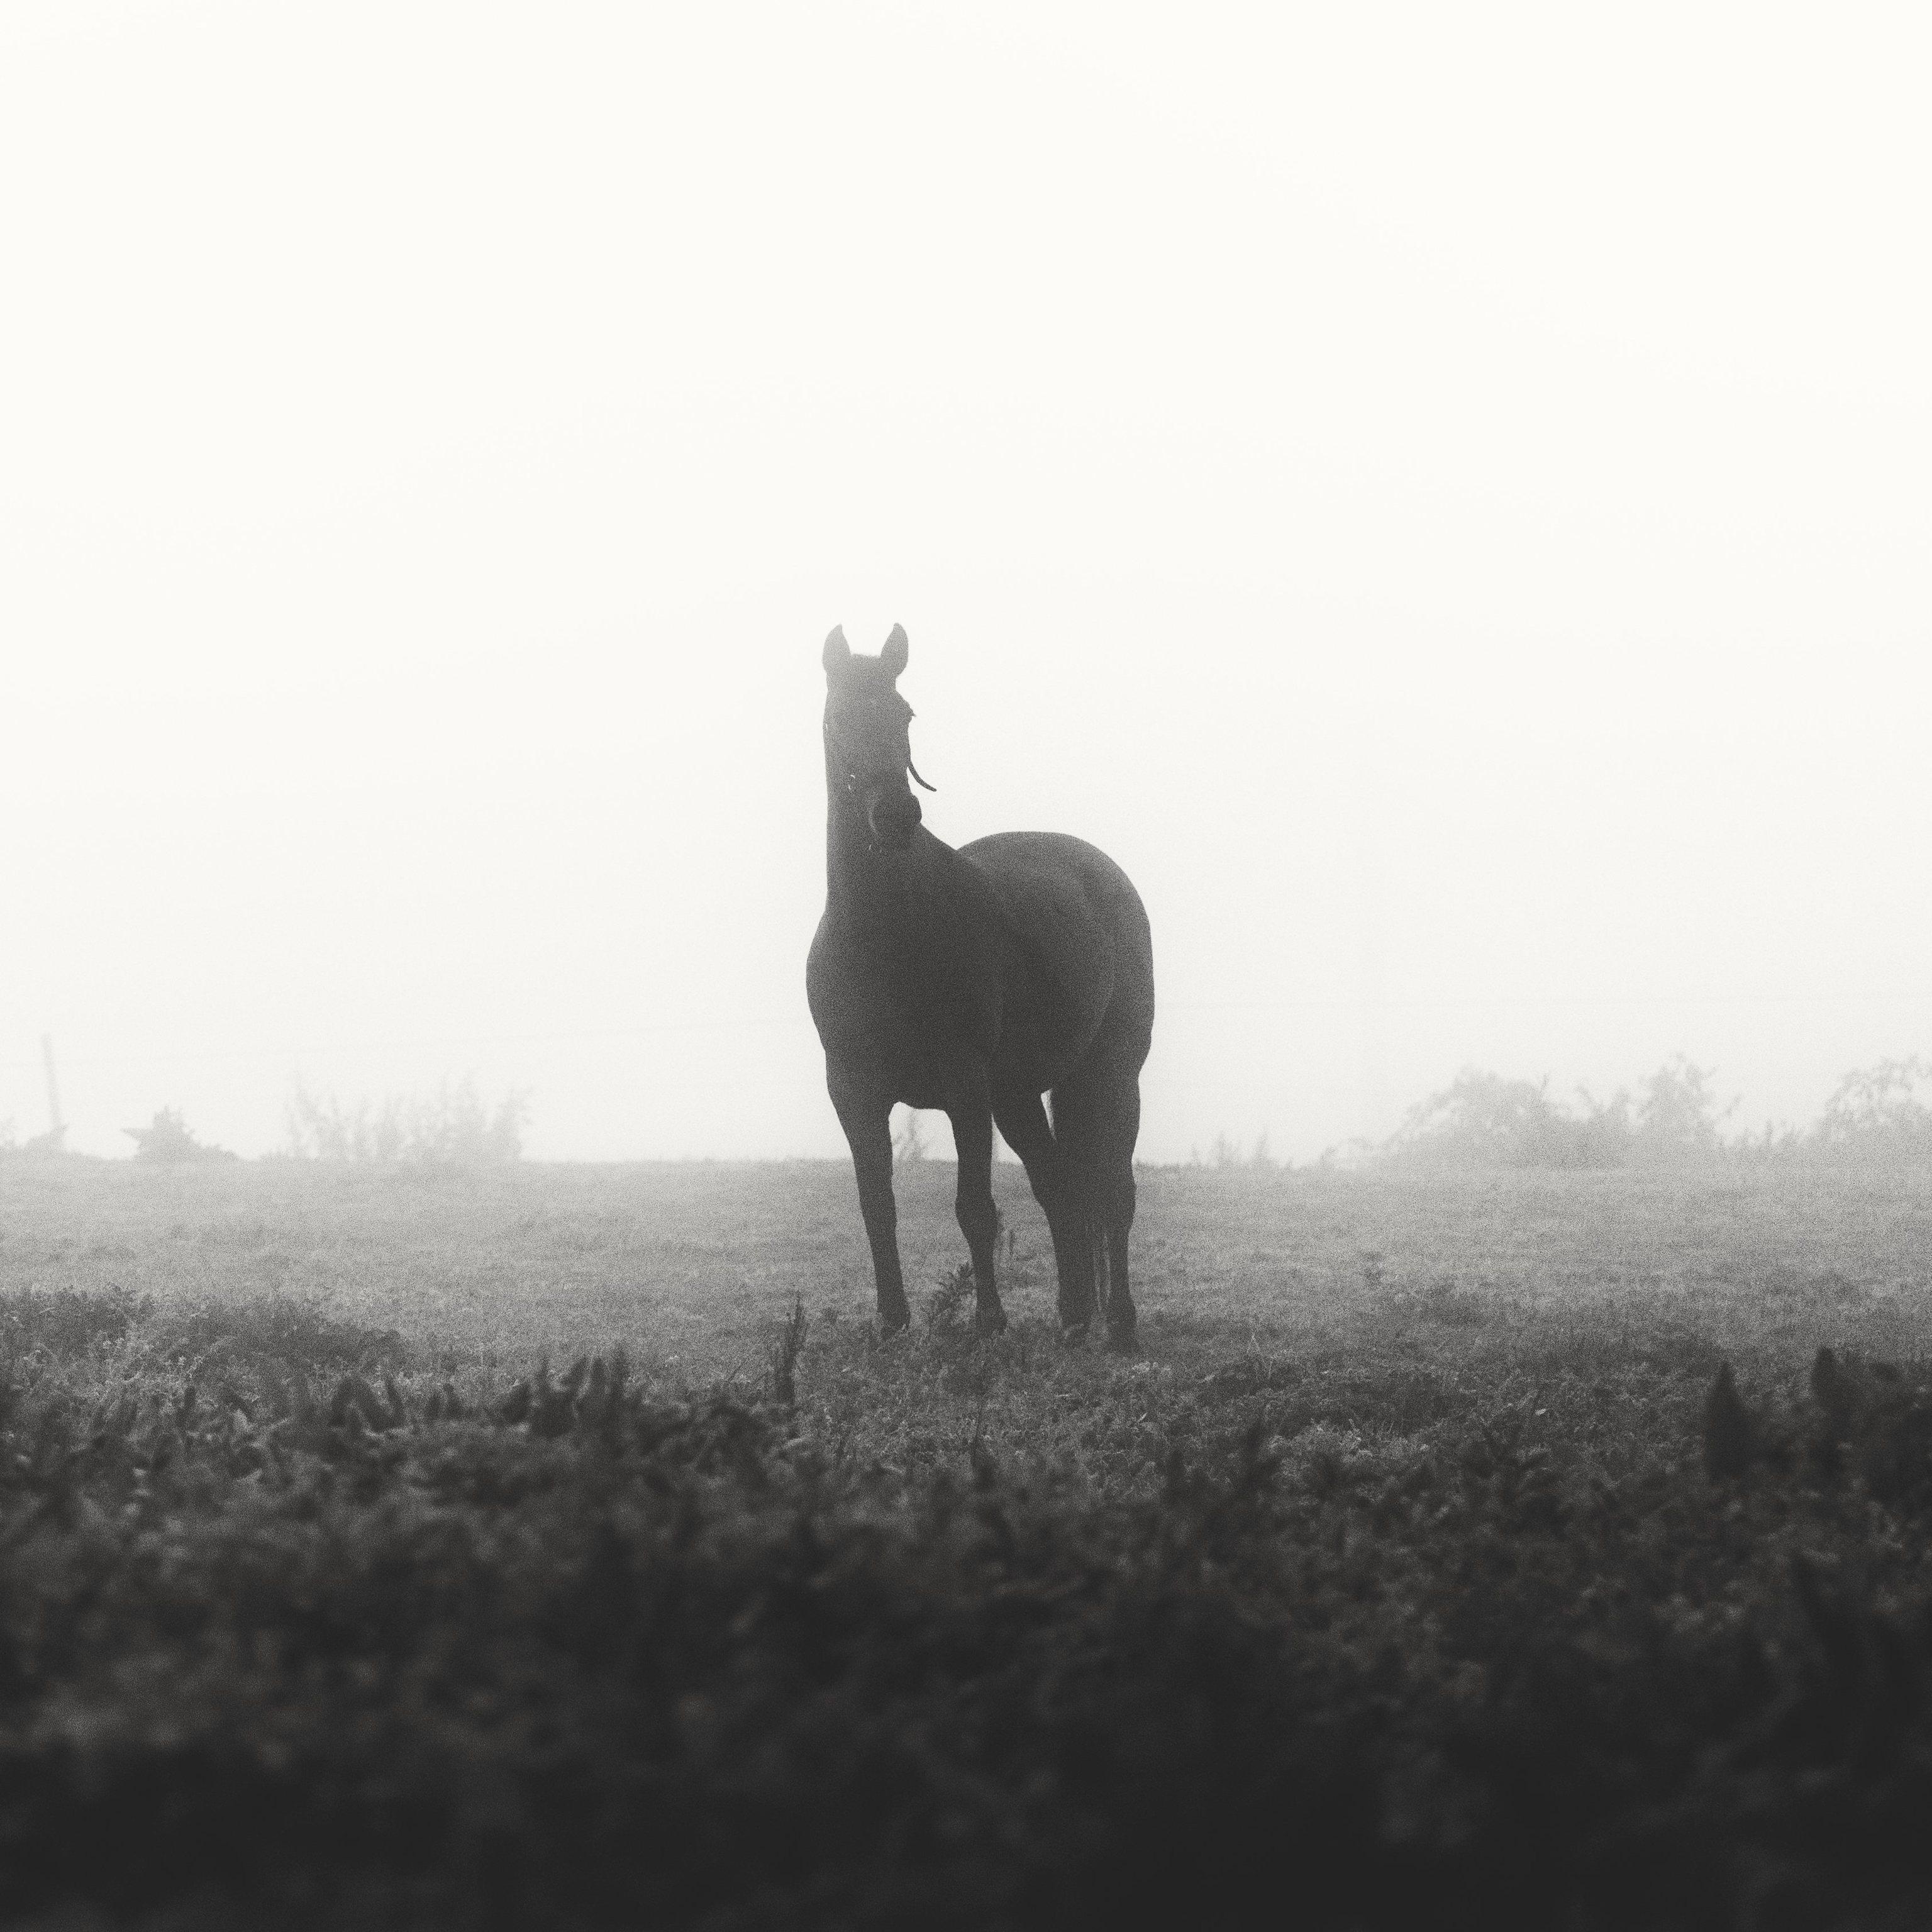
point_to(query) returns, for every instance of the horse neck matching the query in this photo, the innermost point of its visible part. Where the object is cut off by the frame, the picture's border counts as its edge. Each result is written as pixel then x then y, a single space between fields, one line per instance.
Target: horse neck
pixel 865 889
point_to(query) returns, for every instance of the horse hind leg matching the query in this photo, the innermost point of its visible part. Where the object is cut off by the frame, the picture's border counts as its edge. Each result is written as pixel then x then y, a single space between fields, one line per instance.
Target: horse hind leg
pixel 1022 1120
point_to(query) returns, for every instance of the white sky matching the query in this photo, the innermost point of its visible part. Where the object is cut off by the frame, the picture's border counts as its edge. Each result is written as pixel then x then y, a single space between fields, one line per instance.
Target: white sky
pixel 1443 494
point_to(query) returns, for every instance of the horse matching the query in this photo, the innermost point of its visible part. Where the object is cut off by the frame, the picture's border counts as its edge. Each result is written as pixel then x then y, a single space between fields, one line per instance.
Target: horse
pixel 975 981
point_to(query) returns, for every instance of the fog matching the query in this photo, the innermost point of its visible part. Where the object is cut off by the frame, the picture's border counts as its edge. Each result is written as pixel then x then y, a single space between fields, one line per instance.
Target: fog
pixel 1442 496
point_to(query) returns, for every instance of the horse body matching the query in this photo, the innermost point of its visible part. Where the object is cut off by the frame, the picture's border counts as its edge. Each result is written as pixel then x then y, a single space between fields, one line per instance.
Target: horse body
pixel 974 981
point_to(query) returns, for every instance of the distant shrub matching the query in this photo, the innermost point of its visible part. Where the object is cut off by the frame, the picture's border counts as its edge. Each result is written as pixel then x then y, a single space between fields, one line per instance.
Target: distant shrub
pixel 169 1141
pixel 453 1126
pixel 1881 1112
pixel 1231 1153
pixel 1482 1120
pixel 1678 1118
pixel 1485 1120
pixel 909 1142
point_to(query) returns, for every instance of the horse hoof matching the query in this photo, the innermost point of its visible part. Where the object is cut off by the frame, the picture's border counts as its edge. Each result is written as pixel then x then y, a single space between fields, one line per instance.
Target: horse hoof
pixel 1121 1340
pixel 993 1322
pixel 894 1321
pixel 1073 1333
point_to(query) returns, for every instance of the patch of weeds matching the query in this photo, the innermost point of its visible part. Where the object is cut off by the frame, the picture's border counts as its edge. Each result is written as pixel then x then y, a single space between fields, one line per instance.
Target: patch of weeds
pixel 1675 1348
pixel 1448 1304
pixel 1400 1398
pixel 273 1336
pixel 1252 1373
pixel 1325 1458
pixel 64 1323
pixel 953 1298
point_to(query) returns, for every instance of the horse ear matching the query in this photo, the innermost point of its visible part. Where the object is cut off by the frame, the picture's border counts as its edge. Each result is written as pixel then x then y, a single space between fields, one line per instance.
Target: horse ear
pixel 837 652
pixel 893 657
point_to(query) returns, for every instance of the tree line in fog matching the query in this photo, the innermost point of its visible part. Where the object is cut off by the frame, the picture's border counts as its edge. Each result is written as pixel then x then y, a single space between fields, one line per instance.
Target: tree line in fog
pixel 1880 1114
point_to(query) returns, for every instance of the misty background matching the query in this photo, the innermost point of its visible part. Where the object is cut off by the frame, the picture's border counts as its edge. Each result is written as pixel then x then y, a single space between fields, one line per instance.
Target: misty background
pixel 1442 496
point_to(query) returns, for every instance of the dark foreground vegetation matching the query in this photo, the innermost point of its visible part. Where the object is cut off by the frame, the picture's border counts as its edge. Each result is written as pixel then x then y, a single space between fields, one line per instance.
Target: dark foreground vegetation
pixel 1453 1624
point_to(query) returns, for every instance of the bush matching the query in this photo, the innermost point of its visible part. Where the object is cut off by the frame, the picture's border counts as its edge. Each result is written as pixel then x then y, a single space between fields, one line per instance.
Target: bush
pixel 168 1140
pixel 1881 1112
pixel 1482 1120
pixel 909 1140
pixel 1679 1119
pixel 452 1126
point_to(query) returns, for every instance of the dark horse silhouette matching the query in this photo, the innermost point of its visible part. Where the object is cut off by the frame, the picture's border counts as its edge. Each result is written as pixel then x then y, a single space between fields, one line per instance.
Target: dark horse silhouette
pixel 975 981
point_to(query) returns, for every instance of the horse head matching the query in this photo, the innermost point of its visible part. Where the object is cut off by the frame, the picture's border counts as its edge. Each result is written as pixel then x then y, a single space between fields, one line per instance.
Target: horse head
pixel 868 743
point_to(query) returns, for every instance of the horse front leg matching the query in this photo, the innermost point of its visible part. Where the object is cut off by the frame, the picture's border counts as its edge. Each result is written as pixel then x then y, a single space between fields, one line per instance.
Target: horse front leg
pixel 970 1111
pixel 867 1122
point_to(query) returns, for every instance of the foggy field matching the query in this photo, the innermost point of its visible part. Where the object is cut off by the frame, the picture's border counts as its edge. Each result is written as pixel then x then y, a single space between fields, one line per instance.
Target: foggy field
pixel 1484 1283
pixel 1402 528
pixel 1492 1286
pixel 1414 1555
pixel 693 1265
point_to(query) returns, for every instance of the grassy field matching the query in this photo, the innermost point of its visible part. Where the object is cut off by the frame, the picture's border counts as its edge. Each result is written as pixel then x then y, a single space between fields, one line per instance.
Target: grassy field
pixel 1411 1565
pixel 695 1263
